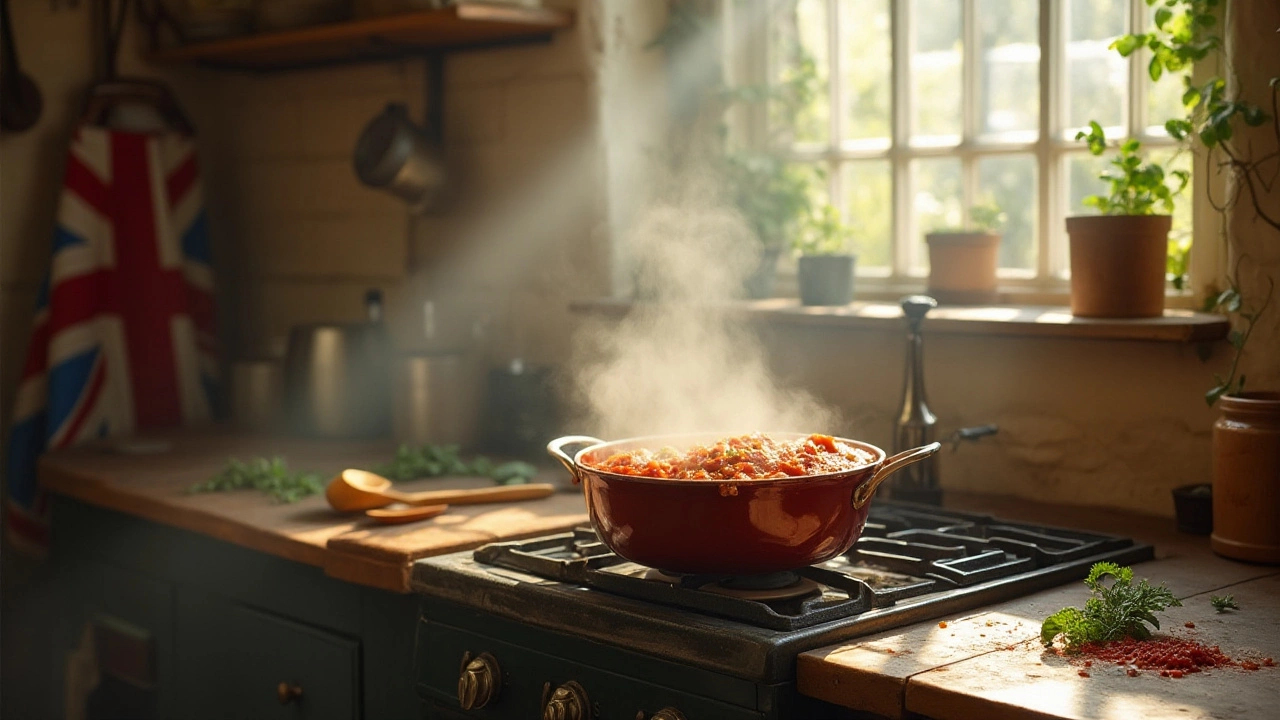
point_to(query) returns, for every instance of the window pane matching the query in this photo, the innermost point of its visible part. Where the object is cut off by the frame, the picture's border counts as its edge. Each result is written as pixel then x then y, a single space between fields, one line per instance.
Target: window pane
pixel 865 43
pixel 801 60
pixel 1081 173
pixel 1097 78
pixel 1009 182
pixel 868 193
pixel 936 80
pixel 1082 181
pixel 1172 159
pixel 1010 65
pixel 937 202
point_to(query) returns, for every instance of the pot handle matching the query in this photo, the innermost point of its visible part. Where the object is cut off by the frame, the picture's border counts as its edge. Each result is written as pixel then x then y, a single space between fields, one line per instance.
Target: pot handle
pixel 556 448
pixel 862 494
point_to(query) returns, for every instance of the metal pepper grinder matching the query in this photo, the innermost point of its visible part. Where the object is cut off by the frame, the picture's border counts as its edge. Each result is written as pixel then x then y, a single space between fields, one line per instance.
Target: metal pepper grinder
pixel 916 423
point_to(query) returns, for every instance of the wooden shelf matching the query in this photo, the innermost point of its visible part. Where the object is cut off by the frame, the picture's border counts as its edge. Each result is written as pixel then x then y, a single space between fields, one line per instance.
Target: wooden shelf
pixel 1177 326
pixel 462 26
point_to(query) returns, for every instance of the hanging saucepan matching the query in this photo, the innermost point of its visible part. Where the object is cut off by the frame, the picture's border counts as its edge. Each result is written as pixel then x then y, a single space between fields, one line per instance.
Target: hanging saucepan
pixel 731 527
pixel 397 155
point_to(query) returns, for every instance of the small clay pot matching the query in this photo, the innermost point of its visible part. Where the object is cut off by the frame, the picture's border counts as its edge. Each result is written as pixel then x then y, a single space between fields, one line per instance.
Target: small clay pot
pixel 1193 508
pixel 962 267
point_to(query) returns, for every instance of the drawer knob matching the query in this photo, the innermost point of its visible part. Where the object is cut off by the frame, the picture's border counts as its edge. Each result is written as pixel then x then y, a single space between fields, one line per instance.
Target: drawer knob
pixel 478 680
pixel 288 693
pixel 568 702
pixel 668 713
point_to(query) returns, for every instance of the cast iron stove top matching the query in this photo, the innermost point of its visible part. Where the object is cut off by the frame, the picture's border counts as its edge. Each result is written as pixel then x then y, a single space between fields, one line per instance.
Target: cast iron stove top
pixel 912 563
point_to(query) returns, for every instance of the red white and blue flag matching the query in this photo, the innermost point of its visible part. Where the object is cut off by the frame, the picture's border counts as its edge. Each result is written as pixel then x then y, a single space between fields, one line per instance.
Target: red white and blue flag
pixel 124 334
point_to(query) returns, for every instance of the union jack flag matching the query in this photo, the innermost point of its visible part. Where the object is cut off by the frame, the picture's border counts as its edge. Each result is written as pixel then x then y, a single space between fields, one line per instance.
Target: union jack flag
pixel 124 333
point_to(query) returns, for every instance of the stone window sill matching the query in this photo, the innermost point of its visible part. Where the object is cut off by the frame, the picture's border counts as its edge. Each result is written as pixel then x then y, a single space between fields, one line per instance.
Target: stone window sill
pixel 1176 326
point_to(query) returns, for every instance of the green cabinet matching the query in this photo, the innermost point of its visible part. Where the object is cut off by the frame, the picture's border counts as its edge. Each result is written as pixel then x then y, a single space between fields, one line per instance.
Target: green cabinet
pixel 187 627
pixel 262 665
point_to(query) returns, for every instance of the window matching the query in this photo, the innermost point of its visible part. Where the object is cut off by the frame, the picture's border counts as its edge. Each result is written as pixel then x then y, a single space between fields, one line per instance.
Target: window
pixel 926 108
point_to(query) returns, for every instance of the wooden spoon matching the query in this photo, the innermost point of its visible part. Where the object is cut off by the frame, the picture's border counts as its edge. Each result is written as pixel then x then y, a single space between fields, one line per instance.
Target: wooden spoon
pixel 404 514
pixel 354 490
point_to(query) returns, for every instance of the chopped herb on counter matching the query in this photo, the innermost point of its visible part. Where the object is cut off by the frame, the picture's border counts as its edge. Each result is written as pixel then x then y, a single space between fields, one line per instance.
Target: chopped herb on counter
pixel 272 477
pixel 1223 603
pixel 411 463
pixel 1114 612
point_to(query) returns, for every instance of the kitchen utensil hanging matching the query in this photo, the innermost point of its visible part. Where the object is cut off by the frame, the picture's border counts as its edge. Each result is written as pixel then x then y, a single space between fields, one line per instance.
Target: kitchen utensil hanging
pixel 132 104
pixel 401 157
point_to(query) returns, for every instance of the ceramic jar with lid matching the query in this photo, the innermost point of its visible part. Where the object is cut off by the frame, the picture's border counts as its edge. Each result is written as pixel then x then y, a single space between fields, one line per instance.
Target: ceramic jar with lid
pixel 1246 478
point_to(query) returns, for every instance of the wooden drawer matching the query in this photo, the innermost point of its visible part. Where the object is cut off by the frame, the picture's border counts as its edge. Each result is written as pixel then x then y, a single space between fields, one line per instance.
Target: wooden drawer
pixel 236 657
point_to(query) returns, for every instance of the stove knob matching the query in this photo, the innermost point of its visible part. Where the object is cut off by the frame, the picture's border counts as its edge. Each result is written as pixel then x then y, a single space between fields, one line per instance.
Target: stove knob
pixel 568 702
pixel 668 713
pixel 478 681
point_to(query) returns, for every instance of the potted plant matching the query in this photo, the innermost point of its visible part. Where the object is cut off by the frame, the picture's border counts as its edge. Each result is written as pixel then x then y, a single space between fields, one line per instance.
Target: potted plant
pixel 1119 258
pixel 772 196
pixel 826 262
pixel 963 262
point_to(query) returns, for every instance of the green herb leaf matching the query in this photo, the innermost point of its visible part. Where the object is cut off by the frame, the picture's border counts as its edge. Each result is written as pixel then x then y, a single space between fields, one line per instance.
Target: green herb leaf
pixel 272 477
pixel 1117 609
pixel 411 463
pixel 1223 603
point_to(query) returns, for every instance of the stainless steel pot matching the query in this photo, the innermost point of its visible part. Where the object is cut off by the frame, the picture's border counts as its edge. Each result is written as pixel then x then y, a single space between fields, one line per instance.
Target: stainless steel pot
pixel 435 400
pixel 336 380
pixel 398 156
pixel 256 389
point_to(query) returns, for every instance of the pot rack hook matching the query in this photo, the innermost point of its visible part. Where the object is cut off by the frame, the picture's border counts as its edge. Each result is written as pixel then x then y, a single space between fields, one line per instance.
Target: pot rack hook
pixel 433 122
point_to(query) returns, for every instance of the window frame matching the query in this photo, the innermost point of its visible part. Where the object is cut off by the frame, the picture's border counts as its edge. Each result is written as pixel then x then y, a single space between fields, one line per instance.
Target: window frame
pixel 749 63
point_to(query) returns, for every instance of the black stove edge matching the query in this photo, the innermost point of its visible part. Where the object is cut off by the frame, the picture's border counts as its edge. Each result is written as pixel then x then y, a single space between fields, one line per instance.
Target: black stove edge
pixel 756 654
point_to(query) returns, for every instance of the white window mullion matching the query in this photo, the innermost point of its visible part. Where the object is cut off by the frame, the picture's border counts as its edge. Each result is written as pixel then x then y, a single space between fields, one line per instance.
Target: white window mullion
pixel 970 59
pixel 1135 107
pixel 835 101
pixel 1052 186
pixel 903 223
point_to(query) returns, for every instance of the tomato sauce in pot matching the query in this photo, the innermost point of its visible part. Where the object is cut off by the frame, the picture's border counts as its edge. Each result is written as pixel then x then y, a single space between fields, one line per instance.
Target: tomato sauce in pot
pixel 743 457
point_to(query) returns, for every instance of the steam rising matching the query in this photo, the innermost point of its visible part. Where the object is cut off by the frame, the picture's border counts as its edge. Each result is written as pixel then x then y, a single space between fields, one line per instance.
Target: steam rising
pixel 685 362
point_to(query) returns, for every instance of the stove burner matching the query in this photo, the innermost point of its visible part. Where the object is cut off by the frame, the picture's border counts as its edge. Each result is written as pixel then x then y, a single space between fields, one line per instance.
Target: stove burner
pixel 798 588
pixel 768 581
pixel 765 587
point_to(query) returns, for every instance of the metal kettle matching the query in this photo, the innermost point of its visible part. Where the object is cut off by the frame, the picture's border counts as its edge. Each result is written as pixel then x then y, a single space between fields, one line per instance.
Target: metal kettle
pixel 337 378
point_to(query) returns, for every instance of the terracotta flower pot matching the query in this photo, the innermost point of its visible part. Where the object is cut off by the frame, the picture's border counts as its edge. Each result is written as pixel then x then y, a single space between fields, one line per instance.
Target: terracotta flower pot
pixel 1118 265
pixel 962 267
pixel 1246 478
pixel 825 279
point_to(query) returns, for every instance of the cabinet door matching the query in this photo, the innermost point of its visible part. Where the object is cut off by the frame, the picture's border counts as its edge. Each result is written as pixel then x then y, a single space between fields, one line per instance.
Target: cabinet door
pixel 236 658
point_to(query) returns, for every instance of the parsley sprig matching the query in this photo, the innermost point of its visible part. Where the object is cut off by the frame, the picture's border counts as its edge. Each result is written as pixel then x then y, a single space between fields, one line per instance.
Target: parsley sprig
pixel 411 463
pixel 271 476
pixel 1115 611
pixel 1223 603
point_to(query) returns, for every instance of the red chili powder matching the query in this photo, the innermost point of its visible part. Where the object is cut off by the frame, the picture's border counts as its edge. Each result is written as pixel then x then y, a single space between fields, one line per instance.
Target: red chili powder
pixel 1171 656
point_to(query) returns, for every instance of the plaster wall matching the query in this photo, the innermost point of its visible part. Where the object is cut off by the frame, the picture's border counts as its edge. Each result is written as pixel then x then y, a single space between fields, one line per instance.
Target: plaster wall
pixel 1082 422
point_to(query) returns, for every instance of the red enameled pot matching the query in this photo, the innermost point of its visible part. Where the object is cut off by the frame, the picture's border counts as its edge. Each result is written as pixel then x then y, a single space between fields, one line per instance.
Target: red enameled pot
pixel 731 527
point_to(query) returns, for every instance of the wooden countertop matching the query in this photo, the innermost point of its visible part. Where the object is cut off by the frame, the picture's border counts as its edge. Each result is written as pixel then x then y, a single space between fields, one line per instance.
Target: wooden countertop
pixel 989 663
pixel 349 547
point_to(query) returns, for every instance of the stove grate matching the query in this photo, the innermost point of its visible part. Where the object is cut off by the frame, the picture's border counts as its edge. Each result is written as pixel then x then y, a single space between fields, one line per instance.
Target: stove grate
pixel 904 552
